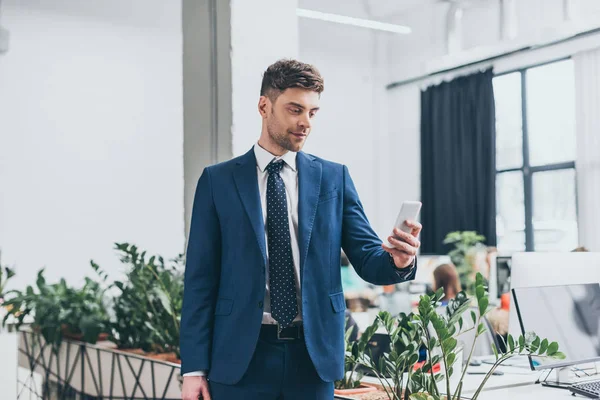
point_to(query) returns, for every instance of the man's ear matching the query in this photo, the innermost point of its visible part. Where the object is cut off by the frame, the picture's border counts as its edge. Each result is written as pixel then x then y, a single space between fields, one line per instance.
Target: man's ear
pixel 264 104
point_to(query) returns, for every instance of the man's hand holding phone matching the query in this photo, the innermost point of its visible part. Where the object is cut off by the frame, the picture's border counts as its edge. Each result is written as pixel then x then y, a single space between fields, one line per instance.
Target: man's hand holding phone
pixel 404 243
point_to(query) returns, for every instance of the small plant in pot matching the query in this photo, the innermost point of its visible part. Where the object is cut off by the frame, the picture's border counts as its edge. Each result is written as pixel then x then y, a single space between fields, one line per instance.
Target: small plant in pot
pixel 59 310
pixel 437 333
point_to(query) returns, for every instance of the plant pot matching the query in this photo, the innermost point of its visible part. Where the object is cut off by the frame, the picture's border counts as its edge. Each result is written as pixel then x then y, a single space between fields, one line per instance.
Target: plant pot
pixel 97 371
pixel 169 357
pixel 363 388
pixel 79 336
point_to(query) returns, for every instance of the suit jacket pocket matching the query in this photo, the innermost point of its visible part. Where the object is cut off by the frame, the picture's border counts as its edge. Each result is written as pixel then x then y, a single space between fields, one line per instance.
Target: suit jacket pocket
pixel 224 307
pixel 328 196
pixel 338 302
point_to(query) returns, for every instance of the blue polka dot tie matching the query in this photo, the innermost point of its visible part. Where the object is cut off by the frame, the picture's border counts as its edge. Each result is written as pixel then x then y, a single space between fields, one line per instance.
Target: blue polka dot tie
pixel 282 280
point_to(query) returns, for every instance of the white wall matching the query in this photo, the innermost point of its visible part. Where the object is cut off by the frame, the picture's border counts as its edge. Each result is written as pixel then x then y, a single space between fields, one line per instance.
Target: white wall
pixel 90 133
pixel 348 126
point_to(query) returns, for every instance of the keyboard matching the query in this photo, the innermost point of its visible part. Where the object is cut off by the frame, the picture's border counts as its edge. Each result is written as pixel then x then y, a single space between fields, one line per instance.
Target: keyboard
pixel 587 389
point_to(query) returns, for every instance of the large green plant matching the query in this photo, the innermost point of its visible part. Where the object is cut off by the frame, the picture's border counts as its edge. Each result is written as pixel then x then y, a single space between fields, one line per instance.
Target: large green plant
pixel 148 304
pixel 463 255
pixel 438 335
pixel 60 309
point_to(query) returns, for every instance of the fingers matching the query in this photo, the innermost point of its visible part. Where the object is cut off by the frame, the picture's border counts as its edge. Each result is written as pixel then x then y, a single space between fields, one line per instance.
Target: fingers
pixel 401 259
pixel 195 388
pixel 407 237
pixel 414 226
pixel 403 246
pixel 205 395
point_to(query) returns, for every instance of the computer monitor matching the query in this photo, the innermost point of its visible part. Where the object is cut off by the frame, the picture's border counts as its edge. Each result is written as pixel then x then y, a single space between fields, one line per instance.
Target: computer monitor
pixel 567 314
pixel 503 266
pixel 534 269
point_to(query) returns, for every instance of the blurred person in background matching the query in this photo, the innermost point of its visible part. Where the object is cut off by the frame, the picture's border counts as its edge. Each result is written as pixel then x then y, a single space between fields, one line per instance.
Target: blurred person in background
pixel 445 276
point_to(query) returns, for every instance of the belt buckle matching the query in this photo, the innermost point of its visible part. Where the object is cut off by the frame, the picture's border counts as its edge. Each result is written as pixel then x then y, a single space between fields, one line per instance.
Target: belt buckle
pixel 284 338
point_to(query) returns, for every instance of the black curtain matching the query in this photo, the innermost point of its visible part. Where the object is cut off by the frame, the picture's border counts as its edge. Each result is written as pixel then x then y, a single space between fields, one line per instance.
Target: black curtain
pixel 458 160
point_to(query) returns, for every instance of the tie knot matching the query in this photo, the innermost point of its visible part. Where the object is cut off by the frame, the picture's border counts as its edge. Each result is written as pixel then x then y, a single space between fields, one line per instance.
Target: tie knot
pixel 275 167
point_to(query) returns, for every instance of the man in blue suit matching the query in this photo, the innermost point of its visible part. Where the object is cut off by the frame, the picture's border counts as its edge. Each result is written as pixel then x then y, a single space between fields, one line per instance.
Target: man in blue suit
pixel 263 308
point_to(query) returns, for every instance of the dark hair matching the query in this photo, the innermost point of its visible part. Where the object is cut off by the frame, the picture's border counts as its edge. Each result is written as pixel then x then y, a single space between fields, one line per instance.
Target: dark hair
pixel 445 276
pixel 285 74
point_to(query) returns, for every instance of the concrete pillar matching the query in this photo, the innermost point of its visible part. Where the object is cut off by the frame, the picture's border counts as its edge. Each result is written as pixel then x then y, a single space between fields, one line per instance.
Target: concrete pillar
pixel 227 45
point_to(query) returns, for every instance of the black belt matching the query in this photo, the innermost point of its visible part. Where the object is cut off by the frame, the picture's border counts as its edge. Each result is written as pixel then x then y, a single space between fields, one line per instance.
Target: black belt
pixel 272 333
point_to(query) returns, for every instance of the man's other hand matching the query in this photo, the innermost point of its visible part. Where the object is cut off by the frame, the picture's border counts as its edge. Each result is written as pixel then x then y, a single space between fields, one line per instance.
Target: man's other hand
pixel 194 388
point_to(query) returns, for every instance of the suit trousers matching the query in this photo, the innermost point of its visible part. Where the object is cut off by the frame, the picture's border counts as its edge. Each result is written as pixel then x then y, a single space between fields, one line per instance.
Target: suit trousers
pixel 279 370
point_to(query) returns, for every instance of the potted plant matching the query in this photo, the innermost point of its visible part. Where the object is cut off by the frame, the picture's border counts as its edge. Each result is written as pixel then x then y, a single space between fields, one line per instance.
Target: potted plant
pixel 147 304
pixel 60 310
pixel 351 383
pixel 437 335
pixel 141 310
pixel 467 246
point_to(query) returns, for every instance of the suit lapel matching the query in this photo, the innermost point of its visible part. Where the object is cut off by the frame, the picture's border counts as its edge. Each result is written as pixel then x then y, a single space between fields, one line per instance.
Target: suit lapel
pixel 309 186
pixel 246 181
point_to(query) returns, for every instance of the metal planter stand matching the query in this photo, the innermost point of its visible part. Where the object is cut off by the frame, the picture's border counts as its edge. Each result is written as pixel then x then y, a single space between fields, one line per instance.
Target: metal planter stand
pixel 81 371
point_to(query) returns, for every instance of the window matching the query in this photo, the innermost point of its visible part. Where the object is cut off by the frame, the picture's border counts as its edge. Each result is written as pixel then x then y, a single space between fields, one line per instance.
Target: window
pixel 535 159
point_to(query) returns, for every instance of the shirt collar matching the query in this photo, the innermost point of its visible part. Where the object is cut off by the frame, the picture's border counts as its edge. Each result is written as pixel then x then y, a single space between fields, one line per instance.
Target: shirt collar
pixel 263 158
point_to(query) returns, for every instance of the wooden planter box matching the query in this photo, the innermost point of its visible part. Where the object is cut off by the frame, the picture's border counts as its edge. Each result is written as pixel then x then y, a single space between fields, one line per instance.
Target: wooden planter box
pixel 97 371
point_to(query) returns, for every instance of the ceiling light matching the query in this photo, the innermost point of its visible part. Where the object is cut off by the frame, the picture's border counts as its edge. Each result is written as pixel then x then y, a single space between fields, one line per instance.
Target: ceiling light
pixel 342 19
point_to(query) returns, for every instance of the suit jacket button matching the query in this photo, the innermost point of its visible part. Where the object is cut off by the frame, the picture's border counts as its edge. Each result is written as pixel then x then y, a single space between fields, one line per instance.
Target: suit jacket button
pixel 260 304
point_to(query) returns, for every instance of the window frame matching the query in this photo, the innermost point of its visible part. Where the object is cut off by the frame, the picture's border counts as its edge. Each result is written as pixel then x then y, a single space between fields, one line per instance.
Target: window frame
pixel 527 169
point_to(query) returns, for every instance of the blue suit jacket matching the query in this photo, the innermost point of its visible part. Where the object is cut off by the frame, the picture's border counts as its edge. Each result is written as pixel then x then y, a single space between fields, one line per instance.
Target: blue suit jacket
pixel 226 261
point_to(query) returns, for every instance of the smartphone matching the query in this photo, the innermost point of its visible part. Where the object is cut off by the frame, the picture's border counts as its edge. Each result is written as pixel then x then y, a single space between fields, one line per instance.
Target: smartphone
pixel 408 211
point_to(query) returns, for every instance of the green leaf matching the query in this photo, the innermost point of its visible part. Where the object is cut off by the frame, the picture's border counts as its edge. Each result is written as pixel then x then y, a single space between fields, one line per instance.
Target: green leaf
pixel 479 292
pixel 559 355
pixel 535 345
pixel 479 279
pixel 450 359
pixel 552 348
pixel 481 328
pixel 449 344
pixel 543 347
pixel 473 316
pixel 483 305
pixel 511 343
pixel 521 343
pixel 495 350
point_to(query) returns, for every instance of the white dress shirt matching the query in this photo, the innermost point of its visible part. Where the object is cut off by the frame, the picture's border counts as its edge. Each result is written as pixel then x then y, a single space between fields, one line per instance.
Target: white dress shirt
pixel 289 175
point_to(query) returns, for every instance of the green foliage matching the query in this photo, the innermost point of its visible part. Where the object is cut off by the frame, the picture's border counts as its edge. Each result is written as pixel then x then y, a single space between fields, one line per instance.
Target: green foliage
pixel 466 245
pixel 146 310
pixel 403 354
pixel 59 309
pixel 355 351
pixel 148 305
pixel 410 332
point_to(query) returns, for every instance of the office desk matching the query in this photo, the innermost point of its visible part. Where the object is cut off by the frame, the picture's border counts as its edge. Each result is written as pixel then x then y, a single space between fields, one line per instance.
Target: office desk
pixel 517 383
